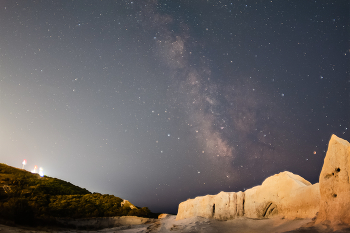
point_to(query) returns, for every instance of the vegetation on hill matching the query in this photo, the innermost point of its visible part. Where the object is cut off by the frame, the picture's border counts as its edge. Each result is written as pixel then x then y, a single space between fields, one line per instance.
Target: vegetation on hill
pixel 26 198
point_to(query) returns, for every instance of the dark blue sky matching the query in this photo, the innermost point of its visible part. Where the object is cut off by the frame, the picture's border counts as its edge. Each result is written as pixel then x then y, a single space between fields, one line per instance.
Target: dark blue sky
pixel 160 101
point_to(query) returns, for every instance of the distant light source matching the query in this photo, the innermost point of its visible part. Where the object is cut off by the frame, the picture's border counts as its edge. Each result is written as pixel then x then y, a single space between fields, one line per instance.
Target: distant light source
pixel 34 171
pixel 41 171
pixel 24 163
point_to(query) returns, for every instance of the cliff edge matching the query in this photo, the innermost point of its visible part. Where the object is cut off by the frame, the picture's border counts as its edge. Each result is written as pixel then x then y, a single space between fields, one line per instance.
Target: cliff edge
pixel 335 185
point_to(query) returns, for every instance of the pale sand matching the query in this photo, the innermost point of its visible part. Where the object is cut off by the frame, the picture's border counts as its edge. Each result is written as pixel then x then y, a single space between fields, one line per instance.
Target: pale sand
pixel 196 224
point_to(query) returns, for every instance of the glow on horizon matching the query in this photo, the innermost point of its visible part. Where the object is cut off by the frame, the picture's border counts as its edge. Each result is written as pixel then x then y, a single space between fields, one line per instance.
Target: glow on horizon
pixel 41 171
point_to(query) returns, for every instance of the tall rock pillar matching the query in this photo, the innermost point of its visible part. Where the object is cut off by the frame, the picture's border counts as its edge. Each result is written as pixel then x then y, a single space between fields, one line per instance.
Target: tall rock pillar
pixel 335 184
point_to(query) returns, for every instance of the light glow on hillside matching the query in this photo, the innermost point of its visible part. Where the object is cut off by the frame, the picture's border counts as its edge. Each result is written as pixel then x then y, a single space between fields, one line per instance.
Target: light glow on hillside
pixel 34 170
pixel 41 171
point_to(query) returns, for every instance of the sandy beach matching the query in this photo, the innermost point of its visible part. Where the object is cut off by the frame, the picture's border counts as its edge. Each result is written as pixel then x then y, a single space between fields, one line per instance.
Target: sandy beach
pixel 195 224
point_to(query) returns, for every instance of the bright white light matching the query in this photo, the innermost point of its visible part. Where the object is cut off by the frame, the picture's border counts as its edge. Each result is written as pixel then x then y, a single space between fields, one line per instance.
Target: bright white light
pixel 41 172
pixel 24 163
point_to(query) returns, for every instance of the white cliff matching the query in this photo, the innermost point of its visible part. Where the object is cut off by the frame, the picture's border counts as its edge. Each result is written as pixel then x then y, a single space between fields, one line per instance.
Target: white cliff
pixel 335 185
pixel 285 194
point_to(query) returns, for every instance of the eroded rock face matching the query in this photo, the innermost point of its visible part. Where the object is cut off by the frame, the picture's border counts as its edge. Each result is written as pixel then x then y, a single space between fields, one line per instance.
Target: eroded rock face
pixel 285 194
pixel 222 206
pixel 200 206
pixel 335 184
pixel 225 206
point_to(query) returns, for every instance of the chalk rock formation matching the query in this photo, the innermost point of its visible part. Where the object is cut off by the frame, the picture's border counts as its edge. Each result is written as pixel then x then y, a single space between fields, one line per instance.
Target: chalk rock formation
pixel 225 205
pixel 127 203
pixel 285 194
pixel 335 184
pixel 163 216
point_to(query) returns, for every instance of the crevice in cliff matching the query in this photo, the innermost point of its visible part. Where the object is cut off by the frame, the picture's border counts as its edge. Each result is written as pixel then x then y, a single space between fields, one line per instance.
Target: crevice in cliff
pixel 236 212
pixel 243 204
pixel 270 209
pixel 213 210
pixel 266 209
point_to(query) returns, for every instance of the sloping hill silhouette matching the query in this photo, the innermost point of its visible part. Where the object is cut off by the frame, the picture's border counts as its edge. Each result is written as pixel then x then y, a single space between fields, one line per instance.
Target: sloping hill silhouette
pixel 27 198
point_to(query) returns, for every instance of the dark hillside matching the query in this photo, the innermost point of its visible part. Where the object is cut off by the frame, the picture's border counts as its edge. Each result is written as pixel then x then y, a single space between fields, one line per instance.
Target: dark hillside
pixel 27 198
pixel 22 182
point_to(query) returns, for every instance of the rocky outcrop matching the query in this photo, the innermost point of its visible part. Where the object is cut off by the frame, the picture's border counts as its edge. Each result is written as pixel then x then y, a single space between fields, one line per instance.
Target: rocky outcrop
pixel 335 184
pixel 285 194
pixel 127 203
pixel 163 216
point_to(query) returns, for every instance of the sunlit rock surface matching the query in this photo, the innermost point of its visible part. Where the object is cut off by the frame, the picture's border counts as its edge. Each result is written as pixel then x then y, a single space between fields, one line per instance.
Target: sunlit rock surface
pixel 284 194
pixel 127 203
pixel 335 184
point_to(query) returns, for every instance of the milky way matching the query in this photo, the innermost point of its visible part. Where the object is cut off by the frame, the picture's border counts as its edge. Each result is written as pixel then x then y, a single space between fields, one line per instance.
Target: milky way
pixel 232 122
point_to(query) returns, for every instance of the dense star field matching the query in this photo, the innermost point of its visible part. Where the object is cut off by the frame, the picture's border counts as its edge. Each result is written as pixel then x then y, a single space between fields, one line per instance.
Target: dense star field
pixel 160 101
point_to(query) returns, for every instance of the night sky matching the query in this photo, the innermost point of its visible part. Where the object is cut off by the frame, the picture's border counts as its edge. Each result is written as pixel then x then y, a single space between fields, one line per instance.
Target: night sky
pixel 160 101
